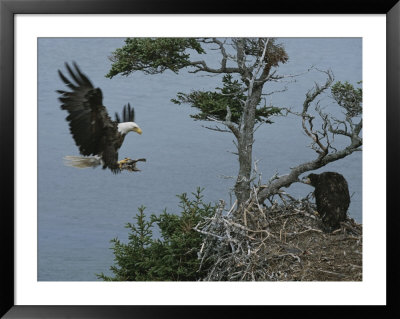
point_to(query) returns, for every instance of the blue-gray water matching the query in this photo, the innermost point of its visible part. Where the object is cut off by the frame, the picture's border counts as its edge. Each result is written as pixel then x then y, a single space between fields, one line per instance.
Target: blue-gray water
pixel 80 210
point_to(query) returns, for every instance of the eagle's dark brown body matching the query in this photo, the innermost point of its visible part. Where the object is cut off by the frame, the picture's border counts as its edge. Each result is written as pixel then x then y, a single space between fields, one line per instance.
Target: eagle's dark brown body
pixel 332 198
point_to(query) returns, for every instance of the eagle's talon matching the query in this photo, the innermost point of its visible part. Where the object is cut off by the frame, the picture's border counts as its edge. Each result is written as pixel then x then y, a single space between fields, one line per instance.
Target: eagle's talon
pixel 121 163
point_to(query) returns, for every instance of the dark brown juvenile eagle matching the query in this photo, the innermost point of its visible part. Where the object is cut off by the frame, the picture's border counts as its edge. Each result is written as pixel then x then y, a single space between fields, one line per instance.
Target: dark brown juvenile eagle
pixel 90 125
pixel 332 198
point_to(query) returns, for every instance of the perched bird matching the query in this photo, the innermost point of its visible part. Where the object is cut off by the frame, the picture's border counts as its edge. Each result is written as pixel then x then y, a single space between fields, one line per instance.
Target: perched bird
pixel 90 125
pixel 332 198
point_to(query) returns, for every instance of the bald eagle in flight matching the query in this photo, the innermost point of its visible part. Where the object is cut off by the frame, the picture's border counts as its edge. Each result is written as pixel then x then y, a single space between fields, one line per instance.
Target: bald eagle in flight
pixel 90 125
pixel 331 196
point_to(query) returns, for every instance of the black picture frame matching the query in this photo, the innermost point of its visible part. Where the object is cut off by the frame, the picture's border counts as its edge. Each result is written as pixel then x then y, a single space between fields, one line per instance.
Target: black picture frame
pixel 9 8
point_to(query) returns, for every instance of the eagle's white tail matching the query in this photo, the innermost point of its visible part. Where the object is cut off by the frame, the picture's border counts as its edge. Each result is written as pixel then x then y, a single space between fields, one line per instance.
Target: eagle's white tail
pixel 82 161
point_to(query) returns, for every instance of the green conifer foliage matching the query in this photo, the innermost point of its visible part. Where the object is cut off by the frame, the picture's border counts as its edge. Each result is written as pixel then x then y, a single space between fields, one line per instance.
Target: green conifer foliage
pixel 173 256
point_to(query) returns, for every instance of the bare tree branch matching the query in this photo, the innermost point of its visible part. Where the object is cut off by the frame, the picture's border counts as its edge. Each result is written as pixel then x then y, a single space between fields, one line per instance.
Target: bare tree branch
pixel 232 126
pixel 202 66
pixel 321 141
pixel 217 129
pixel 307 119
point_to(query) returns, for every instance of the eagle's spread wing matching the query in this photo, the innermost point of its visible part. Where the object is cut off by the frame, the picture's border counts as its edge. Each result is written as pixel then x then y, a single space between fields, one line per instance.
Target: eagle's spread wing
pixel 128 114
pixel 91 127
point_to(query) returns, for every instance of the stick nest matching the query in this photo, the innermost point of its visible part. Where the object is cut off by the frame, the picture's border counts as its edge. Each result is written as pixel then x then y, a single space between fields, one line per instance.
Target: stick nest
pixel 280 242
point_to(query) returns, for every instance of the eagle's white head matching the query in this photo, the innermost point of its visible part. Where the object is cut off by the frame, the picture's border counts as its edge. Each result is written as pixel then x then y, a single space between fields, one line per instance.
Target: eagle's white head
pixel 126 127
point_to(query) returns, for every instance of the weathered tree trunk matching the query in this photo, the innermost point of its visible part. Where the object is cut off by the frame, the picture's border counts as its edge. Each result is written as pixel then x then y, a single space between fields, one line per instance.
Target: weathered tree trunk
pixel 245 137
pixel 242 186
pixel 245 145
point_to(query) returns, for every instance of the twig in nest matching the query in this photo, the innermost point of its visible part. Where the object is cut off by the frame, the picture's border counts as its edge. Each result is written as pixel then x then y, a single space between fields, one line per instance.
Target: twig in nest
pixel 304 231
pixel 332 273
pixel 292 255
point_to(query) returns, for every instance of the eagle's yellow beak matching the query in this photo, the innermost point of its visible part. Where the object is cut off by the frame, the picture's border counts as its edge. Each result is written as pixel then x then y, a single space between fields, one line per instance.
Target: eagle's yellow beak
pixel 137 130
